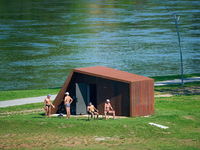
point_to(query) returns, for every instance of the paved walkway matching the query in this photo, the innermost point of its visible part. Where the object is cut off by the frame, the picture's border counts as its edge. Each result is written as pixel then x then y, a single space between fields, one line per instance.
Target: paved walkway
pixel 176 81
pixel 41 98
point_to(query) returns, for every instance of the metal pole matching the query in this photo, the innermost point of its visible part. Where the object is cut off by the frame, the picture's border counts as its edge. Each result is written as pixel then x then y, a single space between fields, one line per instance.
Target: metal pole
pixel 174 15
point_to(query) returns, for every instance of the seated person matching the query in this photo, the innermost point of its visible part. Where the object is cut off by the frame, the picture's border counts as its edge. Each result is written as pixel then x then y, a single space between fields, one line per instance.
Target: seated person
pixel 108 109
pixel 91 109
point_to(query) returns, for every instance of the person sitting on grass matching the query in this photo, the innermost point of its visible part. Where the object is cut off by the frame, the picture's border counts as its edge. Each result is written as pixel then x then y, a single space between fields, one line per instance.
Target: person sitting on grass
pixel 92 110
pixel 47 106
pixel 108 109
pixel 67 101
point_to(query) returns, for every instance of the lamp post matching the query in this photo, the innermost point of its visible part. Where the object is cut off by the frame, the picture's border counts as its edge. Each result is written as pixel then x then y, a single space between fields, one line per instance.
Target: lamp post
pixel 176 19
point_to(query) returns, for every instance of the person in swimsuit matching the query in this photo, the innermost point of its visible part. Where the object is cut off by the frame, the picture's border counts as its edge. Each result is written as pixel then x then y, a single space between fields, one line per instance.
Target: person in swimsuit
pixel 91 109
pixel 67 101
pixel 108 109
pixel 47 106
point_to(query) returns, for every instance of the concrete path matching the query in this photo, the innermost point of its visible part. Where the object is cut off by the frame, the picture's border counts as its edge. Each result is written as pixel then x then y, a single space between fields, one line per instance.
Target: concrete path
pixel 176 81
pixel 41 98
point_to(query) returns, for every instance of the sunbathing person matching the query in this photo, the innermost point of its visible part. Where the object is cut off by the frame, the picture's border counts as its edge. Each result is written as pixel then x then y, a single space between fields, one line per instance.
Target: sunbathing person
pixel 67 101
pixel 47 106
pixel 92 110
pixel 108 109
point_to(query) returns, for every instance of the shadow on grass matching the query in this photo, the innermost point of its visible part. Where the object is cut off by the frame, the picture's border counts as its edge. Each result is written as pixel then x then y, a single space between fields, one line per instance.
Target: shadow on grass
pixel 86 119
pixel 42 114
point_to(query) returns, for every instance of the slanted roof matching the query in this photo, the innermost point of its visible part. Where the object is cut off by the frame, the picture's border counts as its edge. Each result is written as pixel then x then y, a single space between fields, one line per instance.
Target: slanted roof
pixel 111 74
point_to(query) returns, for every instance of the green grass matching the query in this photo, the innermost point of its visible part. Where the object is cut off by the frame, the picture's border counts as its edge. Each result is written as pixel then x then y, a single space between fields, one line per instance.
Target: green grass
pixel 172 77
pixel 24 129
pixel 180 113
pixel 22 107
pixel 10 95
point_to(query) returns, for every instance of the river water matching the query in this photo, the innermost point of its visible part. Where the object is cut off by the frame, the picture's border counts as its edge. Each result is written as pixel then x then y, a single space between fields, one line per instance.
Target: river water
pixel 41 41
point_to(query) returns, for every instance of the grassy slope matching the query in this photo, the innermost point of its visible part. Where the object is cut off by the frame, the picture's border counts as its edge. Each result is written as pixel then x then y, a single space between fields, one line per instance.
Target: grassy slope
pixel 22 107
pixel 10 95
pixel 180 113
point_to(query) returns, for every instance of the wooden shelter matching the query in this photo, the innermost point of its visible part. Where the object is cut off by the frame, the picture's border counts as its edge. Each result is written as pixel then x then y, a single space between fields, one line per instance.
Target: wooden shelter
pixel 129 94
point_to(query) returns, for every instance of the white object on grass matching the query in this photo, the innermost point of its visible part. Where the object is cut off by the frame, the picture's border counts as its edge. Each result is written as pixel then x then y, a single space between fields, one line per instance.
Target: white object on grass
pixel 158 125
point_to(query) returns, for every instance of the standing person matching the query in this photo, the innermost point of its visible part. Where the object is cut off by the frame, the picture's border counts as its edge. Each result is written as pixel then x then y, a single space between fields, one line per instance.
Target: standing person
pixel 47 106
pixel 67 101
pixel 91 109
pixel 108 109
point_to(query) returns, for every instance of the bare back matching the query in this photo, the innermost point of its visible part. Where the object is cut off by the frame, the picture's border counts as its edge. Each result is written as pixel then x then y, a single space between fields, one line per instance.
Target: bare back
pixel 68 99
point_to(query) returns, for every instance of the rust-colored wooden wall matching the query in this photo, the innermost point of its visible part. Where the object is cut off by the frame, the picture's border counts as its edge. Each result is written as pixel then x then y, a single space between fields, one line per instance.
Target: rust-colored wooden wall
pixel 143 98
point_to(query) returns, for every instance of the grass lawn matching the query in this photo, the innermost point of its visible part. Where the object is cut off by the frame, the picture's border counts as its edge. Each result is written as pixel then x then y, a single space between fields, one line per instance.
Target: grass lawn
pixel 24 127
pixel 22 109
pixel 180 113
pixel 10 95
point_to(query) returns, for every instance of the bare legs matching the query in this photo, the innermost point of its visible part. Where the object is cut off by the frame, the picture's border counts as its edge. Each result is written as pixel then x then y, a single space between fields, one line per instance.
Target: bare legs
pixel 68 112
pixel 93 115
pixel 105 112
pixel 47 112
pixel 110 112
pixel 97 115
